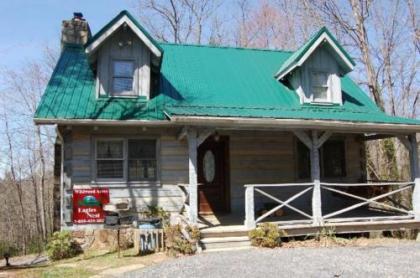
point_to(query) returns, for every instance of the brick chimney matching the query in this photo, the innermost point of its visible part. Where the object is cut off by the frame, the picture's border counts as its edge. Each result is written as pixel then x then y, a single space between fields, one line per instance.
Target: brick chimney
pixel 75 30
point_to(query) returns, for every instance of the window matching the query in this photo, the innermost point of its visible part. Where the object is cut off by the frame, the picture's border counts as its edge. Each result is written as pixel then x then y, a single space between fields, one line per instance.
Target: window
pixel 319 82
pixel 122 159
pixel 304 161
pixel 122 77
pixel 109 159
pixel 334 159
pixel 142 160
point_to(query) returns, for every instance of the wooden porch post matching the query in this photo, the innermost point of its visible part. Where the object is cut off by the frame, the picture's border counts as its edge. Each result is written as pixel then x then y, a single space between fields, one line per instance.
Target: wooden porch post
pixel 249 208
pixel 192 181
pixel 415 174
pixel 315 175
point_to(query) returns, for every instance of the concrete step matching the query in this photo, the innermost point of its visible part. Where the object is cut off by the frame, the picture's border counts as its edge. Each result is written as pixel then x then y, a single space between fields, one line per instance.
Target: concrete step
pixel 225 243
pixel 227 249
pixel 212 233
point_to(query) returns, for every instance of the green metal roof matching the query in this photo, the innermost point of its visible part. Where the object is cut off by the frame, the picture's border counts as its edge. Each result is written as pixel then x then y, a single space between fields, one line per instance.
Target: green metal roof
pixel 70 94
pixel 297 55
pixel 201 81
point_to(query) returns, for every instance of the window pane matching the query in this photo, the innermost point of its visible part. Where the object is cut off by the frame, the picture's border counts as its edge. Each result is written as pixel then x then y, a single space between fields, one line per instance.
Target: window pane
pixel 109 169
pixel 334 160
pixel 142 169
pixel 145 149
pixel 319 85
pixel 319 79
pixel 122 84
pixel 109 149
pixel 123 68
pixel 320 93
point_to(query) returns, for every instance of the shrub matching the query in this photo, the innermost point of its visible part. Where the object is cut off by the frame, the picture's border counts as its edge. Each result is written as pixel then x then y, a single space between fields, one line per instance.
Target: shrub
pixel 61 245
pixel 266 235
pixel 180 239
pixel 8 248
pixel 159 212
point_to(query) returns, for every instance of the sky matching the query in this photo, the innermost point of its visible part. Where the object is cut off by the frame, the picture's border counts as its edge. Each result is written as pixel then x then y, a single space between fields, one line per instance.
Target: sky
pixel 28 25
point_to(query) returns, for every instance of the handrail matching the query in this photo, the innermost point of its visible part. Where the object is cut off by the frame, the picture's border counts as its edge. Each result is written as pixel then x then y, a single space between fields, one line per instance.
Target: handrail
pixel 366 184
pixel 280 184
pixel 318 219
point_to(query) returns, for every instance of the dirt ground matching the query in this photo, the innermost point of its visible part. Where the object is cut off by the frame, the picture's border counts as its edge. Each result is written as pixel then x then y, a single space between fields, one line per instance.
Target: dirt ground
pixel 90 264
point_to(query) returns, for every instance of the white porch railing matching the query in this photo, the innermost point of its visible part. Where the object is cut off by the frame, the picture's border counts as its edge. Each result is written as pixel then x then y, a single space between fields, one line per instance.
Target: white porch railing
pixel 385 189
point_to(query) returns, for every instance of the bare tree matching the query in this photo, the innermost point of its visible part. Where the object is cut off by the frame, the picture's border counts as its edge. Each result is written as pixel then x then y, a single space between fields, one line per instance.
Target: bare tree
pixel 179 21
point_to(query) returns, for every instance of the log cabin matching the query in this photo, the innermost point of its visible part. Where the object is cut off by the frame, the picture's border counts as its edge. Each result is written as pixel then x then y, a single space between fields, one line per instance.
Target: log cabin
pixel 229 137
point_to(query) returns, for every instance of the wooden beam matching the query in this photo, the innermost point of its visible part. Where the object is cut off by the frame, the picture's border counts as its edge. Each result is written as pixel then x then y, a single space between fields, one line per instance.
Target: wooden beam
pixel 316 175
pixel 406 142
pixel 415 174
pixel 324 137
pixel 249 208
pixel 192 170
pixel 377 137
pixel 183 133
pixel 303 137
pixel 204 134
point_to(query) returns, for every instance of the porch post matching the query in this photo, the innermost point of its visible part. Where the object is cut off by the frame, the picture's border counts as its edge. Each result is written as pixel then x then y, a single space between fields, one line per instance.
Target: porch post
pixel 315 175
pixel 192 169
pixel 249 207
pixel 415 174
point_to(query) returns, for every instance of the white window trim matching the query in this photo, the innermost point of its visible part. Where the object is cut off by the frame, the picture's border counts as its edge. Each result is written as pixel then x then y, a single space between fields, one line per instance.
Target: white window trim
pixel 124 94
pixel 329 98
pixel 125 180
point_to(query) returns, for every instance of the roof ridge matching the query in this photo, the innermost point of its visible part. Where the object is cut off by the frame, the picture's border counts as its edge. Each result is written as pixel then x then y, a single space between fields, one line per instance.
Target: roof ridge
pixel 226 47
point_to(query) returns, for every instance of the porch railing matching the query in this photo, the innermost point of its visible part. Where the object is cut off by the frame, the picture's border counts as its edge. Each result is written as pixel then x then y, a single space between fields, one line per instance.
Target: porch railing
pixel 378 199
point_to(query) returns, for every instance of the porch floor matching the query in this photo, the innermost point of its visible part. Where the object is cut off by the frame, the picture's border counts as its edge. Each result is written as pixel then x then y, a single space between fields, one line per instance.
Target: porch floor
pixel 356 221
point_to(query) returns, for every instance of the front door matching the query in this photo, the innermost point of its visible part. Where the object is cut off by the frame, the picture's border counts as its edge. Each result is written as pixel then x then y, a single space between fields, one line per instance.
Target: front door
pixel 213 189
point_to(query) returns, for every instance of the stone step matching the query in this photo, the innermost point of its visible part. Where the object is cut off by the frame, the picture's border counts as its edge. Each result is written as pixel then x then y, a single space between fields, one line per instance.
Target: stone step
pixel 220 243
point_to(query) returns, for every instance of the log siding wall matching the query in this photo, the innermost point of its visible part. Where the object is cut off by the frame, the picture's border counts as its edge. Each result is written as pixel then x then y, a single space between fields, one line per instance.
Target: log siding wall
pixel 255 157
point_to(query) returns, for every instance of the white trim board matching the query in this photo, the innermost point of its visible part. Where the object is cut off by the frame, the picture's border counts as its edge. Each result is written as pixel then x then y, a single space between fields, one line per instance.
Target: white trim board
pixel 125 19
pixel 232 122
pixel 308 53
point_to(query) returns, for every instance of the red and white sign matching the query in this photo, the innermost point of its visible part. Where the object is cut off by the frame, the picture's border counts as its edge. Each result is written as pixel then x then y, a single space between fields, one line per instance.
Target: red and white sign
pixel 88 205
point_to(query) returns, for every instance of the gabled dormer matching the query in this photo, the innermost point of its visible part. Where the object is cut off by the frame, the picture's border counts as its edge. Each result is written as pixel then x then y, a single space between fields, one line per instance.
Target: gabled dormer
pixel 314 70
pixel 125 59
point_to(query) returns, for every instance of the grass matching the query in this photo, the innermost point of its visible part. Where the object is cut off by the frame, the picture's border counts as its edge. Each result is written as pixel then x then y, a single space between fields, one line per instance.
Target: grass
pixel 86 265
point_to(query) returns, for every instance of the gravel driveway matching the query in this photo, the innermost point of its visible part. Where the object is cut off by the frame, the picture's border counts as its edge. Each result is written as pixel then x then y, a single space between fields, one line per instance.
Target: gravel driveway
pixel 401 260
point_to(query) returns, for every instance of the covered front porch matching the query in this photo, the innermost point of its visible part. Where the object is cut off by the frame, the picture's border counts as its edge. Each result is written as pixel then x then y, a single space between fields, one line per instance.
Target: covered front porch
pixel 300 207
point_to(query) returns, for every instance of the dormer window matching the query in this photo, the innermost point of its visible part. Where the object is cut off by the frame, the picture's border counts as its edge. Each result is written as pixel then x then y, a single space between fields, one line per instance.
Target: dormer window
pixel 122 78
pixel 314 70
pixel 123 56
pixel 319 85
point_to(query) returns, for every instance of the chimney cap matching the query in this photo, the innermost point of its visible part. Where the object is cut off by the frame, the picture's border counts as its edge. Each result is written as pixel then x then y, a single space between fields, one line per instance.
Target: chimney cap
pixel 78 15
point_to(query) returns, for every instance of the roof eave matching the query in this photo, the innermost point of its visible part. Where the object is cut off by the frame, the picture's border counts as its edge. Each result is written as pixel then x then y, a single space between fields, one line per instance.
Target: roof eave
pixel 294 124
pixel 98 122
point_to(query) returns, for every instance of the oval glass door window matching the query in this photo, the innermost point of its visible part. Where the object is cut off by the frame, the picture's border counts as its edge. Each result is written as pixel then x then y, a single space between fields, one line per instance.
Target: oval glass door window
pixel 209 166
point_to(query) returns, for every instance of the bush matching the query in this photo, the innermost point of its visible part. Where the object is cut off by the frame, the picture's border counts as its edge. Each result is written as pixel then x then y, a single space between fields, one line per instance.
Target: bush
pixel 267 235
pixel 181 239
pixel 159 212
pixel 61 245
pixel 8 248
